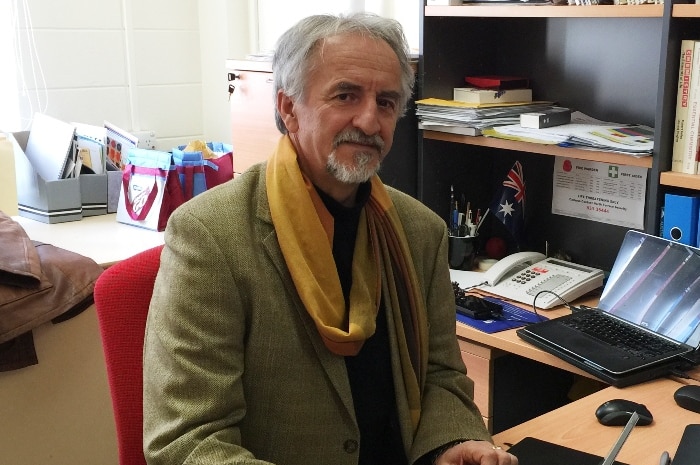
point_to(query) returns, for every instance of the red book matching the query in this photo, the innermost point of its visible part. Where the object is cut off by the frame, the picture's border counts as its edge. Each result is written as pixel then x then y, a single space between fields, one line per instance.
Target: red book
pixel 498 82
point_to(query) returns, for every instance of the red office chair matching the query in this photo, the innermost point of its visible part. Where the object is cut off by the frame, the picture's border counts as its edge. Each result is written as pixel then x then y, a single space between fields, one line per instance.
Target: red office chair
pixel 122 295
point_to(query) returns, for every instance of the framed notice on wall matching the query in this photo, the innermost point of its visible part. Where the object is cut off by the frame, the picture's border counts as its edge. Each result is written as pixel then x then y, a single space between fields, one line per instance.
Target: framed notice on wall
pixel 604 192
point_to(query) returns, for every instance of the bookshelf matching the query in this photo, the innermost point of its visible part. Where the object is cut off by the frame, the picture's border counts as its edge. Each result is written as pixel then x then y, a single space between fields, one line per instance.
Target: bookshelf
pixel 613 62
pixel 544 11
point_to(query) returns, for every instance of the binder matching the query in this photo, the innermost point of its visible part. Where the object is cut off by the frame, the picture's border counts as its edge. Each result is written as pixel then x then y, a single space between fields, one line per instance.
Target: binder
pixel 681 218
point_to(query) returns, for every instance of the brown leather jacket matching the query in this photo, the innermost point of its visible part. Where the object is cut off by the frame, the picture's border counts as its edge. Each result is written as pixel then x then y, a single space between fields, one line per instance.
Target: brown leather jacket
pixel 38 283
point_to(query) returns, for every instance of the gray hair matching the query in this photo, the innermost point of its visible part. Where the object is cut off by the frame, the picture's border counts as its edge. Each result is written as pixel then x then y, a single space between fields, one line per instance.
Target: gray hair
pixel 291 61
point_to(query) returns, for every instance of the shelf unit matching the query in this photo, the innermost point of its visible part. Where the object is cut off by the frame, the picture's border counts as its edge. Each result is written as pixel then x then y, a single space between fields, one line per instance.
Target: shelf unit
pixel 613 62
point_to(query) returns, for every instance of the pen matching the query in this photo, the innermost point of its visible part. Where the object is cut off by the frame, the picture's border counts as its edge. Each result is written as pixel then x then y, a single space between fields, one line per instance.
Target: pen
pixel 665 459
pixel 450 220
pixel 455 219
pixel 610 458
pixel 481 220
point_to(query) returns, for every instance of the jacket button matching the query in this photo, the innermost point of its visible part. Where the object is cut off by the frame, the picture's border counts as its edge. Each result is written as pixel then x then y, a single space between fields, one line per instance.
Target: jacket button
pixel 350 446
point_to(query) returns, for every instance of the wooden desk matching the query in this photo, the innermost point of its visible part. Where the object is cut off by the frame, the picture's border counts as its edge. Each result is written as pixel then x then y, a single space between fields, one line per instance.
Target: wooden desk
pixel 576 426
pixel 98 237
pixel 480 350
pixel 508 341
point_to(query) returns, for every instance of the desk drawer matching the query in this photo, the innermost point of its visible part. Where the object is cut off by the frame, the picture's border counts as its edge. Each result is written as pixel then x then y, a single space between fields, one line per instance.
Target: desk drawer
pixel 479 362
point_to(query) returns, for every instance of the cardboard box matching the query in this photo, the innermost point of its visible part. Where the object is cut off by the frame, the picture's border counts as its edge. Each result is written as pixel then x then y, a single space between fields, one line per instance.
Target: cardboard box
pixel 546 118
pixel 114 185
pixel 46 201
pixel 93 194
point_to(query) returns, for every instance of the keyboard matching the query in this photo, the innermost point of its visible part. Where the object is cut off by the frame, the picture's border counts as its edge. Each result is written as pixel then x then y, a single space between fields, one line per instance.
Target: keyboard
pixel 618 334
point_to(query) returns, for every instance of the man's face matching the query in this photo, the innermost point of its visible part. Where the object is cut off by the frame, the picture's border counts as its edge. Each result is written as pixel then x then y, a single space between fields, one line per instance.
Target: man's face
pixel 344 124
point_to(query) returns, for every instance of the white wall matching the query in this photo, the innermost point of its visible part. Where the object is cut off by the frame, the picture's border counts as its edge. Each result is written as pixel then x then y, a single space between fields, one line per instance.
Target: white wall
pixel 278 15
pixel 135 63
pixel 156 65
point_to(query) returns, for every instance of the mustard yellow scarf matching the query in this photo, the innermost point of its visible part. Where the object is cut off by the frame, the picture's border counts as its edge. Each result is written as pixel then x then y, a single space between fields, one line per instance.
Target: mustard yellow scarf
pixel 305 232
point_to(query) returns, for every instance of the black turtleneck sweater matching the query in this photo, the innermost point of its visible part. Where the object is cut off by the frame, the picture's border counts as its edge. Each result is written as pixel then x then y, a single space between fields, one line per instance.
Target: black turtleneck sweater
pixel 369 371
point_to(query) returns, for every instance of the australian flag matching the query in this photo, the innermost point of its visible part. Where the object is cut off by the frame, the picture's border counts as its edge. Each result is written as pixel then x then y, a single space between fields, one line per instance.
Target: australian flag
pixel 509 203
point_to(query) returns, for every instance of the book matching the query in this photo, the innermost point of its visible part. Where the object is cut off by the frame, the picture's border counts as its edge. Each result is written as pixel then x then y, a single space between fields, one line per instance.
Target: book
pixel 476 95
pixel 497 82
pixel 90 146
pixel 682 102
pixel 482 107
pixel 546 119
pixel 692 124
pixel 461 130
pixel 118 143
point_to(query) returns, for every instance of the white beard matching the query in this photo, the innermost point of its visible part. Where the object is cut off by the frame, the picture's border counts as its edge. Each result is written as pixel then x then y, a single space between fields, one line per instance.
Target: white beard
pixel 357 173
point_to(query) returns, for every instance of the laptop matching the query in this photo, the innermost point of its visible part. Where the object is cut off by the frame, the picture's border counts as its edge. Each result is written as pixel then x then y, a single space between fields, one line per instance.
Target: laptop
pixel 653 292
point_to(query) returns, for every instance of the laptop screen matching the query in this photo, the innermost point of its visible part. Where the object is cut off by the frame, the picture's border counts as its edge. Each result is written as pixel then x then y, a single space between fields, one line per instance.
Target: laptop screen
pixel 655 283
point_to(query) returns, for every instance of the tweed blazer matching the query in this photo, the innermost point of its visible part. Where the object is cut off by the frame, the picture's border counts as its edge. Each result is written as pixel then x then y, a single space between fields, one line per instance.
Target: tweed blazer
pixel 234 369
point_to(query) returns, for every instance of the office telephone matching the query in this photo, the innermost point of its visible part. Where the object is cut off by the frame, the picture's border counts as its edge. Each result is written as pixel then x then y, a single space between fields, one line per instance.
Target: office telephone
pixel 523 275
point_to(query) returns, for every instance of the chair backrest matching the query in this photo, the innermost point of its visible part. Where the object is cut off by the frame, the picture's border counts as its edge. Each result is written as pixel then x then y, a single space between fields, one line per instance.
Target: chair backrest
pixel 122 296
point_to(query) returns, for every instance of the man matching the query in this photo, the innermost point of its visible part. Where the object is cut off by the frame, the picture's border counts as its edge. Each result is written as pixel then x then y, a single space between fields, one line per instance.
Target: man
pixel 303 313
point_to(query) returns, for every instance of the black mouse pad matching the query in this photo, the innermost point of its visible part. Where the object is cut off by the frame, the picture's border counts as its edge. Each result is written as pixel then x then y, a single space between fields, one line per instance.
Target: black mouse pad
pixel 533 451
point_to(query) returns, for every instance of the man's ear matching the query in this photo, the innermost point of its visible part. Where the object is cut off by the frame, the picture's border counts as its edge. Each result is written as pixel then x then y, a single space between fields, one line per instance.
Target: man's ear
pixel 285 108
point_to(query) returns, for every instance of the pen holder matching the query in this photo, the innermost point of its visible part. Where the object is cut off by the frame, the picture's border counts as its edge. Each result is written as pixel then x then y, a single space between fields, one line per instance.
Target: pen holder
pixel 461 252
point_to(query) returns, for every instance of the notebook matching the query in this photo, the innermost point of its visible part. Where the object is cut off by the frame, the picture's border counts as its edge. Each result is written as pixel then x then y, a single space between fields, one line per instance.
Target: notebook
pixel 50 146
pixel 653 289
pixel 689 447
pixel 533 451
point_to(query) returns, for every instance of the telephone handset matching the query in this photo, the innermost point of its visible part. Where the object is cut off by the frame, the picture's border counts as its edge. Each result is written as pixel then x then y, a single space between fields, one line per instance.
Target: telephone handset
pixel 510 265
pixel 523 276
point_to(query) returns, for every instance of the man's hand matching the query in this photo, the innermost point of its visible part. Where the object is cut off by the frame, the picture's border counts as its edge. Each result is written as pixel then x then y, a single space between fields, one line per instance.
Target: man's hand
pixel 476 453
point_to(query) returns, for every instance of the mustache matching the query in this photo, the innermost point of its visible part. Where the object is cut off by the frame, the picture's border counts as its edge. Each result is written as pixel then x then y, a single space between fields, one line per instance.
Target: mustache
pixel 356 136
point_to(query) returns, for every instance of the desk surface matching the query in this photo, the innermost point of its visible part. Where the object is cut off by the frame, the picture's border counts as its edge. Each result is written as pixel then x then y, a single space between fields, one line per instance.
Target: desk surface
pixel 508 341
pixel 98 237
pixel 576 426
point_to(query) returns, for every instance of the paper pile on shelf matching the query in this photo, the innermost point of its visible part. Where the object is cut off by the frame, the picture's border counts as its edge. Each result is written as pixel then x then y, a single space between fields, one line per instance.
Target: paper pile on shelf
pixel 586 133
pixel 468 118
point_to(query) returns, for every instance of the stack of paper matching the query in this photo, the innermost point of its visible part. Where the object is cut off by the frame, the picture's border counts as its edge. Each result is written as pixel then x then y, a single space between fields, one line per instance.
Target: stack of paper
pixel 470 119
pixel 586 133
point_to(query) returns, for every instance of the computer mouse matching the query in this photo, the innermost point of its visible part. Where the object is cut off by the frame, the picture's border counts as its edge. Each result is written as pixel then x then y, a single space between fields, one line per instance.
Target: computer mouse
pixel 617 412
pixel 688 397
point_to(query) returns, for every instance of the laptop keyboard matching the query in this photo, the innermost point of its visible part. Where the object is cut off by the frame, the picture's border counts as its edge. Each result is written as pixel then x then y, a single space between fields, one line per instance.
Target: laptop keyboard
pixel 617 334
